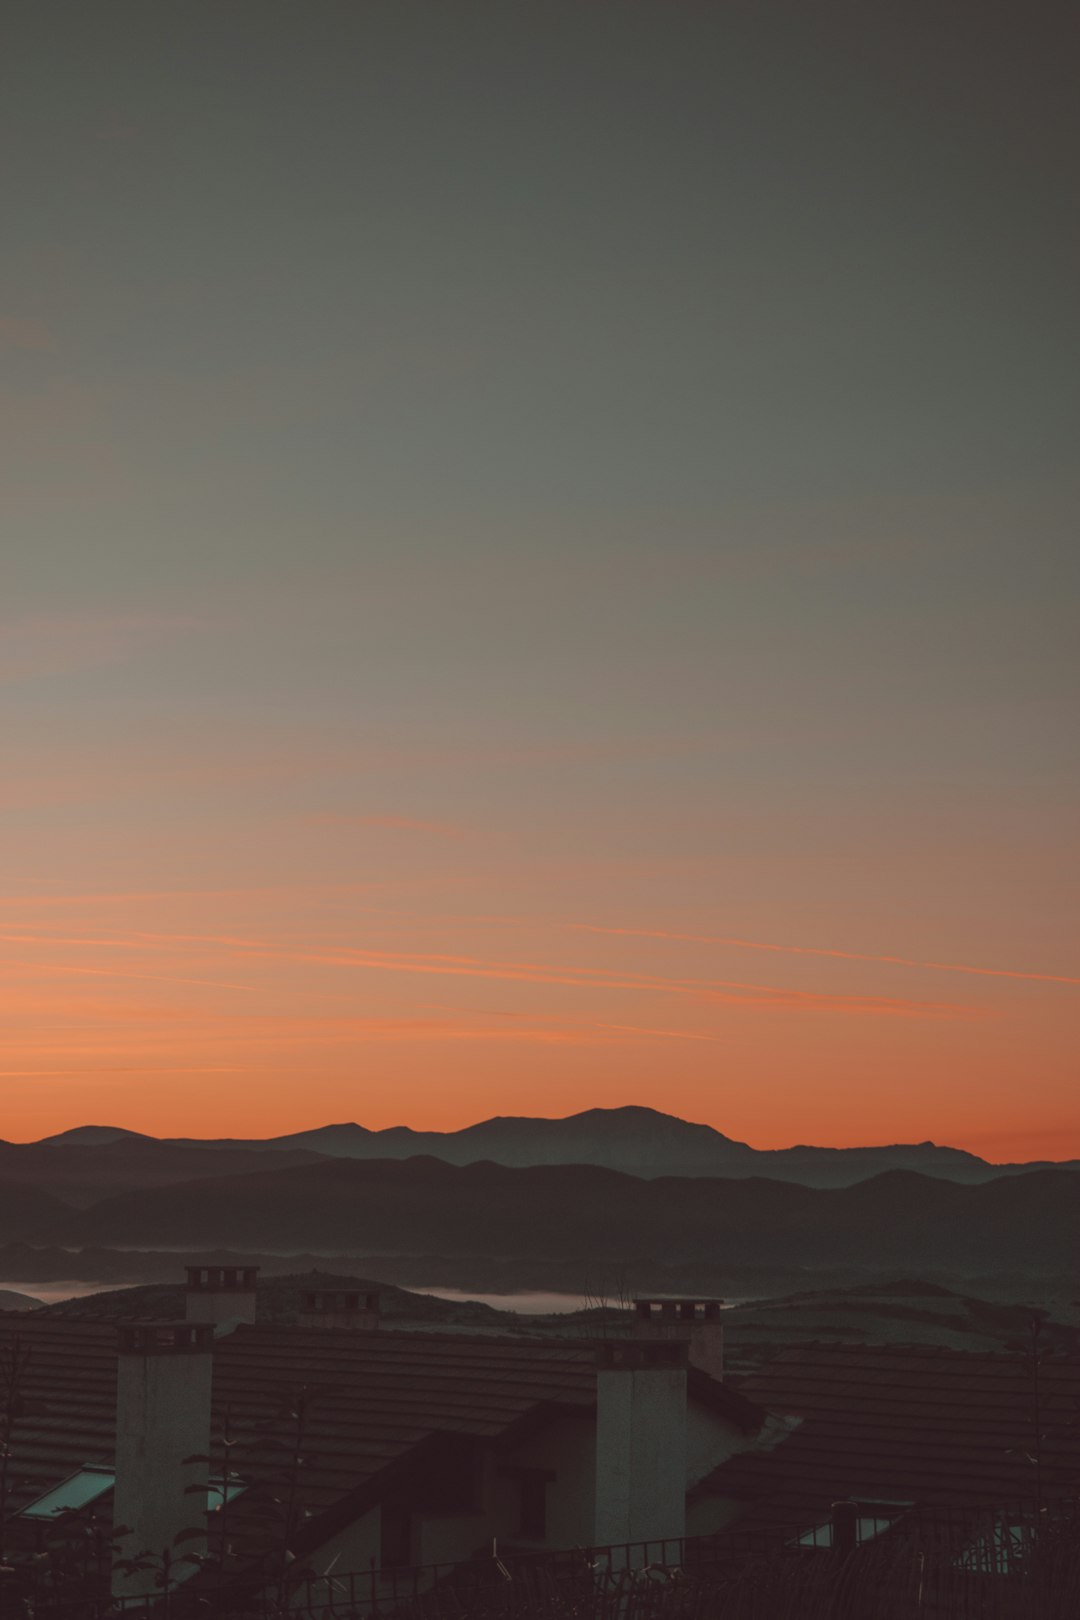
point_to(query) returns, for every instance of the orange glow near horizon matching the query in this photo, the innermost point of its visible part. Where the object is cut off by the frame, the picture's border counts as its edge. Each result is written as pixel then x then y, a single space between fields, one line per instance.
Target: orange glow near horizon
pixel 236 1012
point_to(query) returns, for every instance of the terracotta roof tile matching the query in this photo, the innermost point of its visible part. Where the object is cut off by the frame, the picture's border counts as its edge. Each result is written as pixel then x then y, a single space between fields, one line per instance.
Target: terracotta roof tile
pixel 384 1394
pixel 919 1424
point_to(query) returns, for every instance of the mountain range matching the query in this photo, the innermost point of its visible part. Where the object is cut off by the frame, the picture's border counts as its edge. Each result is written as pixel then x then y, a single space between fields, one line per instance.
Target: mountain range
pixel 639 1142
pixel 606 1188
pixel 422 1206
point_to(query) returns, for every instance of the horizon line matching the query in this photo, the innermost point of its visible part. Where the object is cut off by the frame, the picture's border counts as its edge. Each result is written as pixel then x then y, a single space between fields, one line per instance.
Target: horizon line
pixel 375 1131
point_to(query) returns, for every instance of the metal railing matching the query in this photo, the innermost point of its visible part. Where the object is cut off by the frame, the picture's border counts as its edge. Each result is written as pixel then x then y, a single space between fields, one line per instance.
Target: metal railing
pixel 937 1564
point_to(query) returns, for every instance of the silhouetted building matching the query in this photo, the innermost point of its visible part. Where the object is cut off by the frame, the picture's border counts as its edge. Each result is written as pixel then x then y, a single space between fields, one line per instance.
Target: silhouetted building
pixel 398 1448
pixel 358 1447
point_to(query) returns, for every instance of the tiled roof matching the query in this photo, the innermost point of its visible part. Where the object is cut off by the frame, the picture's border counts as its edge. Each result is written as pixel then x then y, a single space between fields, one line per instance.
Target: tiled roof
pixel 918 1424
pixel 373 1399
pixel 387 1393
pixel 67 1389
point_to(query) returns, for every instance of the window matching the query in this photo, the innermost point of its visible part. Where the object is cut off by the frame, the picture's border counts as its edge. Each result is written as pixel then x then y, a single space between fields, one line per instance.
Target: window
pixel 85 1486
pixel 395 1536
pixel 873 1519
pixel 1000 1550
pixel 822 1534
pixel 77 1491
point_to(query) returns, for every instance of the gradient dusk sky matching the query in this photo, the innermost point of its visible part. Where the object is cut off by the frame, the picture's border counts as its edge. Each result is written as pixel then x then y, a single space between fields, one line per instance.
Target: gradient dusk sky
pixel 540 566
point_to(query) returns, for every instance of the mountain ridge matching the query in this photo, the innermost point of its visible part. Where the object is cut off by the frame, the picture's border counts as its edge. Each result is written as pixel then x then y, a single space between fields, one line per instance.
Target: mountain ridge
pixel 637 1140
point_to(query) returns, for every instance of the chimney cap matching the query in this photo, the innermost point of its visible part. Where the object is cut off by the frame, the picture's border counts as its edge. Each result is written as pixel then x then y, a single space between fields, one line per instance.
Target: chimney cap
pixel 164 1338
pixel 338 1301
pixel 221 1279
pixel 678 1308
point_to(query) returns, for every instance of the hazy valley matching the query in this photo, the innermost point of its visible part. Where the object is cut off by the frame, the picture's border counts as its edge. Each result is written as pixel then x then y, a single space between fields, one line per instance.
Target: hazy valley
pixel 99 1206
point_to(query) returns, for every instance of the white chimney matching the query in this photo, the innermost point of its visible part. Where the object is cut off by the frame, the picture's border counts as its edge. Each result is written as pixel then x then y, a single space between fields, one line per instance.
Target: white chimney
pixel 698 1322
pixel 162 1418
pixel 339 1308
pixel 221 1295
pixel 640 1442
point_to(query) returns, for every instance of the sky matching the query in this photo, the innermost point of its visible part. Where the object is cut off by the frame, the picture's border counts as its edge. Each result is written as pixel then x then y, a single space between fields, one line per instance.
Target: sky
pixel 538 567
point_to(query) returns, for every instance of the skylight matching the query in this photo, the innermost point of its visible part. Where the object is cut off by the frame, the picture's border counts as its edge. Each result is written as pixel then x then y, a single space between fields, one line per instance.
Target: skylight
pixel 87 1484
pixel 77 1491
pixel 873 1520
pixel 1000 1550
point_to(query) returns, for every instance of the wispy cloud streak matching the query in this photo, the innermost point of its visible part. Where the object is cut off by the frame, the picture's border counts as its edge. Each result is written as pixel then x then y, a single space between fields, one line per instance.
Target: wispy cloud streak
pixel 819 950
pixel 64 968
pixel 382 823
pixel 717 991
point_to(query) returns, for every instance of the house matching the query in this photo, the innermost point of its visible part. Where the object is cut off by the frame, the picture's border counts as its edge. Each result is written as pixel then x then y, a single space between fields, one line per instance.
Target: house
pixel 893 1429
pixel 357 1446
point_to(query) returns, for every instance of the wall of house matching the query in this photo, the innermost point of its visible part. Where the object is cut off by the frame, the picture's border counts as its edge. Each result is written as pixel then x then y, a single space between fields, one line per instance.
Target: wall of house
pixel 452 1538
pixel 354 1547
pixel 566 1447
pixel 349 1552
pixel 708 1514
pixel 436 1539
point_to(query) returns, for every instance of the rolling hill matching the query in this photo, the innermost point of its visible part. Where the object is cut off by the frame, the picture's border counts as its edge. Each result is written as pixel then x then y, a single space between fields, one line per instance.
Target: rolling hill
pixel 12 1301
pixel 83 1174
pixel 423 1206
pixel 278 1299
pixel 28 1213
pixel 907 1311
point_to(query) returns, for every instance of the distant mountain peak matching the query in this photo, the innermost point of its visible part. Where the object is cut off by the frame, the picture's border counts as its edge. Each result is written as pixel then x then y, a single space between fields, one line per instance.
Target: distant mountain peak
pixel 94 1136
